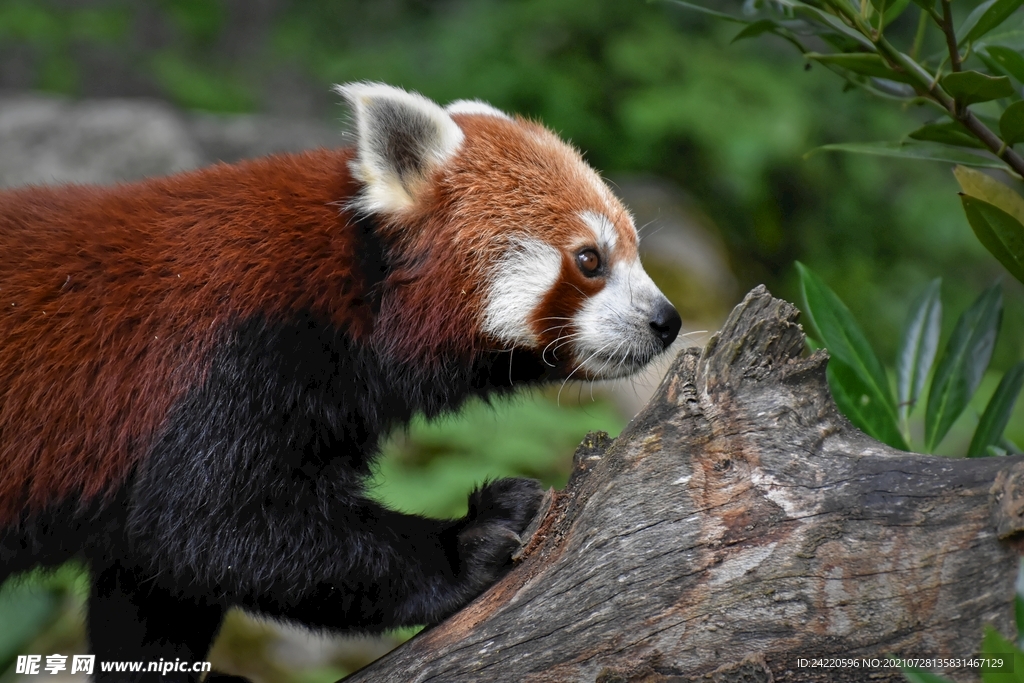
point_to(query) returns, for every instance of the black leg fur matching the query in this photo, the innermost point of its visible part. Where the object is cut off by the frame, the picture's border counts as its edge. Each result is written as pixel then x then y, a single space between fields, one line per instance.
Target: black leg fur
pixel 131 618
pixel 358 565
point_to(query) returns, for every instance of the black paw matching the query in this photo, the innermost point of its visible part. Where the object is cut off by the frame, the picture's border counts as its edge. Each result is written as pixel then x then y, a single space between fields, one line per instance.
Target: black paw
pixel 498 513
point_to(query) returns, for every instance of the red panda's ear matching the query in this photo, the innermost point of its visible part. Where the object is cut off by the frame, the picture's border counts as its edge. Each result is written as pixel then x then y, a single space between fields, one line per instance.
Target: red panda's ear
pixel 402 138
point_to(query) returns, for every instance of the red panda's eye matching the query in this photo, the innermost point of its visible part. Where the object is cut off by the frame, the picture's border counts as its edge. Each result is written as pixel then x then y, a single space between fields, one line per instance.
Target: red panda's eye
pixel 589 261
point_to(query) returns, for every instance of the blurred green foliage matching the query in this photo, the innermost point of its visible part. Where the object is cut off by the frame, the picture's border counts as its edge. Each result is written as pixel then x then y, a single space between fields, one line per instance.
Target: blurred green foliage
pixel 41 612
pixel 430 467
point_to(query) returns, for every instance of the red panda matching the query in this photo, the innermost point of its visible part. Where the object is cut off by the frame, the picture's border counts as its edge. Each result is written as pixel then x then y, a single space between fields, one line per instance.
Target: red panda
pixel 196 371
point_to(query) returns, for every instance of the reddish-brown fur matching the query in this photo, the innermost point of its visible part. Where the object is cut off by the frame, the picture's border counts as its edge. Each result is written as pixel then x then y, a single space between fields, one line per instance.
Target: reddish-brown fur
pixel 112 298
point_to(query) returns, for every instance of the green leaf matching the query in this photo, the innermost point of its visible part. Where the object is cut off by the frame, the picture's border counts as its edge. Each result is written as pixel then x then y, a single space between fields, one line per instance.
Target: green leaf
pixel 996 214
pixel 970 87
pixel 861 63
pixel 999 232
pixel 986 188
pixel 756 29
pixel 859 402
pixel 995 646
pixel 832 22
pixel 994 67
pixel 925 4
pixel 1008 59
pixel 972 20
pixel 1011 123
pixel 919 342
pixel 710 12
pixel 895 10
pixel 990 15
pixel 947 133
pixel 926 151
pixel 962 364
pixel 918 676
pixel 889 9
pixel 997 413
pixel 836 327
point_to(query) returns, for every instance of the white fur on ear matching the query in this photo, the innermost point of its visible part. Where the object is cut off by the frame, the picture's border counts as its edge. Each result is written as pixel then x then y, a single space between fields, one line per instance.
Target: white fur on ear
pixel 402 137
pixel 475 107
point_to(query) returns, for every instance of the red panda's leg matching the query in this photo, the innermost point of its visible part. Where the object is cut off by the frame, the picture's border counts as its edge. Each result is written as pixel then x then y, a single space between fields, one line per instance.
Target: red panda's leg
pixel 133 619
pixel 329 558
pixel 396 570
pixel 343 562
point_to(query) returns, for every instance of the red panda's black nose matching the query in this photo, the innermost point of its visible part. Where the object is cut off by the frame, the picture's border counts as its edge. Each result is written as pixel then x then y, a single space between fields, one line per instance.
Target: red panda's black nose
pixel 666 323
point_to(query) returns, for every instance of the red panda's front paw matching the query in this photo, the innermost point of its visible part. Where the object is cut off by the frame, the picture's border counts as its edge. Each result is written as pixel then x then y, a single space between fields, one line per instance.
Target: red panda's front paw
pixel 498 514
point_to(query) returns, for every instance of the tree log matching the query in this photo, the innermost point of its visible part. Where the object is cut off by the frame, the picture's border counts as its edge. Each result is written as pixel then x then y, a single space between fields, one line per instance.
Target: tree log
pixel 738 524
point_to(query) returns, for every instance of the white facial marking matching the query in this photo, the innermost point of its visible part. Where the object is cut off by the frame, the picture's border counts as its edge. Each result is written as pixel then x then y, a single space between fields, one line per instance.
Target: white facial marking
pixel 475 107
pixel 603 229
pixel 615 336
pixel 523 278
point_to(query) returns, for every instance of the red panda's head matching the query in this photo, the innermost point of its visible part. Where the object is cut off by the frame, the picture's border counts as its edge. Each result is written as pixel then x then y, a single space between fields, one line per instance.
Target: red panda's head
pixel 504 238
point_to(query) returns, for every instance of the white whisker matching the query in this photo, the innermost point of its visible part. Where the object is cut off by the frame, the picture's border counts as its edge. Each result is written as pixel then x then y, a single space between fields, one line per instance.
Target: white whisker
pixel 578 366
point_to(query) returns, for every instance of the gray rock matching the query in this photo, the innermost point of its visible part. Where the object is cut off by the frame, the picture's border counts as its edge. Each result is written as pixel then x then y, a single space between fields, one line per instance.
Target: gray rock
pixel 230 138
pixel 46 140
pixel 49 140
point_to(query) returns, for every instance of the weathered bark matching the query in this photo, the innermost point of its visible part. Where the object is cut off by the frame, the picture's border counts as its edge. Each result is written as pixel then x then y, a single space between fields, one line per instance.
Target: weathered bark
pixel 740 522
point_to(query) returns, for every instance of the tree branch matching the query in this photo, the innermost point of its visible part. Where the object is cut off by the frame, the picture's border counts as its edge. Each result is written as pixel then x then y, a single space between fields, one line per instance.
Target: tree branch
pixel 950 33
